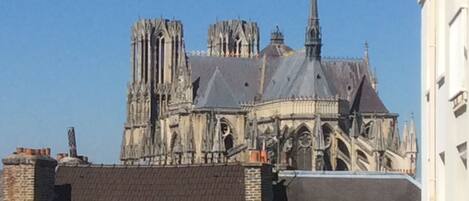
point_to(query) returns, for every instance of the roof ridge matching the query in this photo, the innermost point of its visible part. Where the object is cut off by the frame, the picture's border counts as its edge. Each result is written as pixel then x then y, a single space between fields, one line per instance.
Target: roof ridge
pixel 333 58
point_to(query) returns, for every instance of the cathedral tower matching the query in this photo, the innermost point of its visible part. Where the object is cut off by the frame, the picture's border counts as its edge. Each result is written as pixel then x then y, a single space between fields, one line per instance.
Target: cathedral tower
pixel 313 41
pixel 157 51
pixel 233 38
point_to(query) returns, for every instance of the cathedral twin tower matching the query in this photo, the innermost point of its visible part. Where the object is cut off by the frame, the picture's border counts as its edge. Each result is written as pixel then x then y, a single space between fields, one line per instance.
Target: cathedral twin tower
pixel 158 58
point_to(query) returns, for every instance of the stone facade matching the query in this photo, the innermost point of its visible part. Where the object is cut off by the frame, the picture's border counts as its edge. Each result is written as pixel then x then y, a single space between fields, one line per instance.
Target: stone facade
pixel 307 112
pixel 29 175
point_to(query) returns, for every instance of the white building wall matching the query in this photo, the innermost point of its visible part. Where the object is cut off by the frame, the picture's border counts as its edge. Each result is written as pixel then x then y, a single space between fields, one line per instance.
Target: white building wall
pixel 445 78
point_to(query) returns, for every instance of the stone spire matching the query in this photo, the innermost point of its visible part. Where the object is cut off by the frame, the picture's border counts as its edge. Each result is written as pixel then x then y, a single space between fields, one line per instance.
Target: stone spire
pixel 396 138
pixel 313 41
pixel 405 134
pixel 355 131
pixel 411 143
pixel 372 72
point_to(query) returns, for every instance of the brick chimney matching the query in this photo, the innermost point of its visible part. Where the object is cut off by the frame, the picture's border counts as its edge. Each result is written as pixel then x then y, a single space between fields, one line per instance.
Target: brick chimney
pixel 29 175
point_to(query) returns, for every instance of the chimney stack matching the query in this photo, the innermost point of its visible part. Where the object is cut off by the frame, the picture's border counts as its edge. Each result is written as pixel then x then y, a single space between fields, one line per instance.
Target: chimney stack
pixel 29 174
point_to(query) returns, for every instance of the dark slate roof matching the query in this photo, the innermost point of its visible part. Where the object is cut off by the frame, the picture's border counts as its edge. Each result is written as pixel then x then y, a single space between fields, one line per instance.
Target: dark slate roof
pixel 345 75
pixel 346 186
pixel 366 99
pixel 240 74
pixel 297 77
pixel 276 50
pixel 150 183
pixel 221 82
pixel 218 94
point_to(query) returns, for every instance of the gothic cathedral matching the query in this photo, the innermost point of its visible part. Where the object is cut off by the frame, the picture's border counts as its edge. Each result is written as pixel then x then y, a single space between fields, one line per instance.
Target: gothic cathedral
pixel 304 111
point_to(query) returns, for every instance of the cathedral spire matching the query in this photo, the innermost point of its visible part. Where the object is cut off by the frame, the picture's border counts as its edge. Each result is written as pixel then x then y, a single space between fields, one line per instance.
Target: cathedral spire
pixel 313 41
pixel 313 13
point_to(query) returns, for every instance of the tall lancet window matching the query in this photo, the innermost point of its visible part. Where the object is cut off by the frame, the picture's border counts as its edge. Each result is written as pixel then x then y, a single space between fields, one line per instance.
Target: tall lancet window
pixel 176 52
pixel 141 72
pixel 138 60
pixel 160 52
pixel 222 46
pixel 134 60
pixel 238 48
pixel 250 48
pixel 145 58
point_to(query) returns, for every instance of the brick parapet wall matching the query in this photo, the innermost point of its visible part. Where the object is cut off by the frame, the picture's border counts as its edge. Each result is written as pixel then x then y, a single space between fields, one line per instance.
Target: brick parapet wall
pixel 28 177
pixel 258 182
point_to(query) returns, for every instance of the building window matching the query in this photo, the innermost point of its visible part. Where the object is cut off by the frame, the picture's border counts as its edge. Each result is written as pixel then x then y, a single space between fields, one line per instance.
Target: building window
pixel 442 157
pixel 457 58
pixel 462 149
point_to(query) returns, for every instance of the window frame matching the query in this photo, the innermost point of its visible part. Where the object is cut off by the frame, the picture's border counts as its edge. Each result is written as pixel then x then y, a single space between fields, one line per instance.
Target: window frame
pixel 457 71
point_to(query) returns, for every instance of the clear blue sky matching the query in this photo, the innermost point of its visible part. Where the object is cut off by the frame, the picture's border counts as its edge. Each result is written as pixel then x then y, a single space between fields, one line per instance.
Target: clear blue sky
pixel 66 63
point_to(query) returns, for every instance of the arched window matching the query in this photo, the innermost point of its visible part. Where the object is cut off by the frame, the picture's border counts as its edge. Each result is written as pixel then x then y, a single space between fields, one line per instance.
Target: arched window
pixel 145 59
pixel 161 56
pixel 229 142
pixel 134 60
pixel 238 46
pixel 227 134
pixel 367 132
pixel 222 45
pixel 176 52
pixel 142 59
pixel 327 131
pixel 303 149
pixel 312 33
